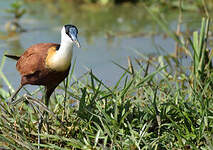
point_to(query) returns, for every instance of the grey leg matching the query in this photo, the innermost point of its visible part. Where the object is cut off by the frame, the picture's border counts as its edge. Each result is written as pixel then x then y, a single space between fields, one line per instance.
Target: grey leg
pixel 39 130
pixel 14 95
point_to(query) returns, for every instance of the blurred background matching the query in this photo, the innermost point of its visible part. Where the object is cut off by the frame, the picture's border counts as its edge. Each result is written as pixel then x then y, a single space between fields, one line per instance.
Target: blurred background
pixel 109 30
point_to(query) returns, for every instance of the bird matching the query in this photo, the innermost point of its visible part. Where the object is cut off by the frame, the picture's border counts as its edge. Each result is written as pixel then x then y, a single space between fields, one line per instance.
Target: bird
pixel 47 64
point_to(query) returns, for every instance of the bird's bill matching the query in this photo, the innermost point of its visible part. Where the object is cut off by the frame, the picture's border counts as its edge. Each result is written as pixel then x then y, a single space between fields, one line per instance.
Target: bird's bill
pixel 77 43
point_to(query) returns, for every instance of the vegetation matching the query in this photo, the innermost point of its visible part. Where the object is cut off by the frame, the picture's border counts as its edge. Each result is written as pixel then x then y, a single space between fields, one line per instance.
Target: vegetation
pixel 117 20
pixel 158 109
pixel 17 11
pixel 159 103
pixel 190 4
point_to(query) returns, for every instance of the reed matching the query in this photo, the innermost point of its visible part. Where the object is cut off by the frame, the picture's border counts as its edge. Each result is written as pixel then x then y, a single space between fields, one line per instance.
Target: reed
pixel 150 107
pixel 146 110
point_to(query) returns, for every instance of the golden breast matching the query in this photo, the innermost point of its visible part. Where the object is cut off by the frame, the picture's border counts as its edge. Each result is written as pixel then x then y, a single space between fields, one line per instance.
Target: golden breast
pixel 57 61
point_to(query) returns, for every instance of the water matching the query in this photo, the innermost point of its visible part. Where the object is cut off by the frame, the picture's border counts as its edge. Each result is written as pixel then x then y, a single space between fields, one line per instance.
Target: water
pixel 106 35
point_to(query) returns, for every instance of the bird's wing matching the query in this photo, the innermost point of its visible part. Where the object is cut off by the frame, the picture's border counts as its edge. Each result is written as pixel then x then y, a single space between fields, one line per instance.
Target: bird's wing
pixel 33 59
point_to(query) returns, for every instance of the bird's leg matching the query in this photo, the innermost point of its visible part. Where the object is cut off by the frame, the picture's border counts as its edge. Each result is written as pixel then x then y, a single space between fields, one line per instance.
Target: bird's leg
pixel 47 98
pixel 41 119
pixel 39 129
pixel 65 96
pixel 14 95
pixel 48 92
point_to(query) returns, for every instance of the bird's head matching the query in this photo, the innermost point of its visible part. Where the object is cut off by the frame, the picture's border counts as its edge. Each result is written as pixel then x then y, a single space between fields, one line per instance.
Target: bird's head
pixel 69 34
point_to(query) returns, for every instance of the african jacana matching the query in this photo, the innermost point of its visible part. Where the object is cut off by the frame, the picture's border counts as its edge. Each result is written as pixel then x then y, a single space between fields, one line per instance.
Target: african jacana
pixel 47 64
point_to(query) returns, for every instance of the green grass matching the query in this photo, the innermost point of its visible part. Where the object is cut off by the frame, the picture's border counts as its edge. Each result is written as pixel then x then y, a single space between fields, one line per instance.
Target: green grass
pixel 139 112
pixel 151 107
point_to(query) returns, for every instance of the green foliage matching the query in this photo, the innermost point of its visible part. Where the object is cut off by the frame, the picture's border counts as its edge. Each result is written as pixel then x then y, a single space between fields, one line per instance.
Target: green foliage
pixel 16 8
pixel 155 4
pixel 201 55
pixel 144 110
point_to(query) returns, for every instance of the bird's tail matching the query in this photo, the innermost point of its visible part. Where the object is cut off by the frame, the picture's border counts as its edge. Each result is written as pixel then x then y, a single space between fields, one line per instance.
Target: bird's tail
pixel 15 57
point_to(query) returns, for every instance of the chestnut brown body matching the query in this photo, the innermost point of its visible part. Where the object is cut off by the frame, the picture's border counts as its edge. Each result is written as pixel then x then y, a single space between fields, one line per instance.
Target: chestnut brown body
pixel 33 69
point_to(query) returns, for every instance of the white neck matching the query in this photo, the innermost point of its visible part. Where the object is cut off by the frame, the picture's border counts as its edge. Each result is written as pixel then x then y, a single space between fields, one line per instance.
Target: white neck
pixel 66 45
pixel 62 58
pixel 65 49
